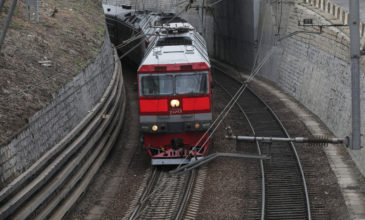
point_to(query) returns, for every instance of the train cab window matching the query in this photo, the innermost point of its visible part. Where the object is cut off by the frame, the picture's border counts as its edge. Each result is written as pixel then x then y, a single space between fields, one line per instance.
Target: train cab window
pixel 192 84
pixel 173 41
pixel 157 85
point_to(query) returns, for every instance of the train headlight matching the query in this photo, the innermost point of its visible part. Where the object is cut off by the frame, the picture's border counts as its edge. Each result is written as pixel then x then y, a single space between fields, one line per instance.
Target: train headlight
pixel 197 126
pixel 154 127
pixel 175 103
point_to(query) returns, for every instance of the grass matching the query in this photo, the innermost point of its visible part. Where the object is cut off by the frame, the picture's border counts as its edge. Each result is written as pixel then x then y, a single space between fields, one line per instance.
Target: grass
pixel 16 26
pixel 99 29
pixel 81 64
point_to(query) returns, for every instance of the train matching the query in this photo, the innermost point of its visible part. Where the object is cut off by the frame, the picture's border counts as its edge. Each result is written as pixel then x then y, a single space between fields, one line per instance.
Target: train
pixel 174 81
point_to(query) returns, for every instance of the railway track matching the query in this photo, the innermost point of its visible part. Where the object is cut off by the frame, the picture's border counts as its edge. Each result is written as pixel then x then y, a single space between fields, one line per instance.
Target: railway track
pixel 165 195
pixel 284 192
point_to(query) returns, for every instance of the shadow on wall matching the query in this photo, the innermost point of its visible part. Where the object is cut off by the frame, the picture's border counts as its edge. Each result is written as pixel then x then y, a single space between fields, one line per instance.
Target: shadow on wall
pixel 235 29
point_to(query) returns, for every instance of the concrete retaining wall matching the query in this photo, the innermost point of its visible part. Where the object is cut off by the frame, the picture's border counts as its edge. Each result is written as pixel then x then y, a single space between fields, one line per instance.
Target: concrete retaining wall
pixel 235 32
pixel 48 126
pixel 313 68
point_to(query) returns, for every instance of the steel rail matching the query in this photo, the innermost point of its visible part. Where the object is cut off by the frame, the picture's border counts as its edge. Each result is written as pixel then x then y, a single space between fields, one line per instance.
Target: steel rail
pixel 165 191
pixel 294 150
pixel 34 191
pixel 308 211
pixel 187 193
pixel 146 191
pixel 258 151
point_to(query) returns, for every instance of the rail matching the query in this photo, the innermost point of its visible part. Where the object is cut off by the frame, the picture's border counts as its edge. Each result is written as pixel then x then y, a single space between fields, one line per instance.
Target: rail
pixel 262 214
pixel 307 203
pixel 50 187
pixel 165 196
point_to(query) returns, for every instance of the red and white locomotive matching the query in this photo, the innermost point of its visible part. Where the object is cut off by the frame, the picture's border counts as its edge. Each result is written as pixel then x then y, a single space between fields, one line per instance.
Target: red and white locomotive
pixel 174 85
pixel 175 94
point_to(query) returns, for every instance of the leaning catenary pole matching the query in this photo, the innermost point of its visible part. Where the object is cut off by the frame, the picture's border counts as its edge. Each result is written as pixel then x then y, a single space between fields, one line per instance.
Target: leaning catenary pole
pixel 354 24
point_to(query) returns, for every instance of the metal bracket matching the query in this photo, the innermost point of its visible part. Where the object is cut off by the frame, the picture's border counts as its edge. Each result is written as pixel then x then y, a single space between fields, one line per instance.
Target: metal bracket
pixel 309 23
pixel 349 144
pixel 196 163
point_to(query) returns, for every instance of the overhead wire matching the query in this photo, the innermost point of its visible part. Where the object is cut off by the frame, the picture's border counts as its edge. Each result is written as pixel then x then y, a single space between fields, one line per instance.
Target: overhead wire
pixel 222 115
pixel 255 69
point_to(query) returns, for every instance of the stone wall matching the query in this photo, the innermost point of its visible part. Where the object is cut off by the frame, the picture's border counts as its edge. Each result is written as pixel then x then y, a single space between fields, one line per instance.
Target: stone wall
pixel 313 68
pixel 48 126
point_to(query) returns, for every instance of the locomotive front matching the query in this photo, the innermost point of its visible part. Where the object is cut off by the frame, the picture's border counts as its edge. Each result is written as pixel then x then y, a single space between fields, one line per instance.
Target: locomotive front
pixel 175 111
pixel 175 97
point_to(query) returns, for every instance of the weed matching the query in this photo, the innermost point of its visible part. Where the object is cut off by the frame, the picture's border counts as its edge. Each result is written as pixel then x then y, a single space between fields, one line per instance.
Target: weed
pixel 99 29
pixel 15 25
pixel 81 64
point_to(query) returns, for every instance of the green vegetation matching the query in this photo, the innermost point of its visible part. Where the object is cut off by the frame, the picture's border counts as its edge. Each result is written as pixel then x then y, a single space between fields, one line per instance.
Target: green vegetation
pixel 95 51
pixel 81 64
pixel 15 25
pixel 99 29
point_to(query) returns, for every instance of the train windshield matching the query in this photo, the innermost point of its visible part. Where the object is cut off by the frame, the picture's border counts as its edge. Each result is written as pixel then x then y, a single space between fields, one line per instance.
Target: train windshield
pixel 157 85
pixel 191 84
pixel 174 84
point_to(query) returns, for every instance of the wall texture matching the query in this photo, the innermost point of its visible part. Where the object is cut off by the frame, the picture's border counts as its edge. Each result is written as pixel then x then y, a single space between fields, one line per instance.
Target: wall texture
pixel 234 32
pixel 313 68
pixel 229 27
pixel 48 126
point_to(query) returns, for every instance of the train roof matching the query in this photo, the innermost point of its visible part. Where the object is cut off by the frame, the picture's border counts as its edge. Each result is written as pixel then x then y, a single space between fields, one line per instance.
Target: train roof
pixel 172 39
pixel 174 49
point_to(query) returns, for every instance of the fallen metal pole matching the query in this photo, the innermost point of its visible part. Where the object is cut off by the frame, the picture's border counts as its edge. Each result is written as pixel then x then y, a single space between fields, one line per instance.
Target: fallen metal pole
pixel 295 140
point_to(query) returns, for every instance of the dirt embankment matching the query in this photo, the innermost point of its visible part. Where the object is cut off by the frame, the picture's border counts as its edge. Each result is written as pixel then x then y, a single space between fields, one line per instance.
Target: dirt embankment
pixel 68 36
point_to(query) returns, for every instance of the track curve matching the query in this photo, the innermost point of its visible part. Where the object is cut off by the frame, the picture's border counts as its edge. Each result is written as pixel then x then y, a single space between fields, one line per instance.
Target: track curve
pixel 165 196
pixel 284 194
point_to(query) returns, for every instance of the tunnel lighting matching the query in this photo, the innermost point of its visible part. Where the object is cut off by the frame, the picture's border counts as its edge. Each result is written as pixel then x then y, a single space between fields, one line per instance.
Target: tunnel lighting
pixel 175 103
pixel 154 127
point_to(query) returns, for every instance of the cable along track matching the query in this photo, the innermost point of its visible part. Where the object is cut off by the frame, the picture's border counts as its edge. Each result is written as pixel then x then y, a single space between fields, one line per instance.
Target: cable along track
pixel 284 191
pixel 165 196
pixel 53 184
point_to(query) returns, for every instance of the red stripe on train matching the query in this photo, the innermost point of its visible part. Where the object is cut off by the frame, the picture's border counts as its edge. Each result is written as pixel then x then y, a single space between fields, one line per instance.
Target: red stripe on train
pixel 196 104
pixel 153 105
pixel 178 67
